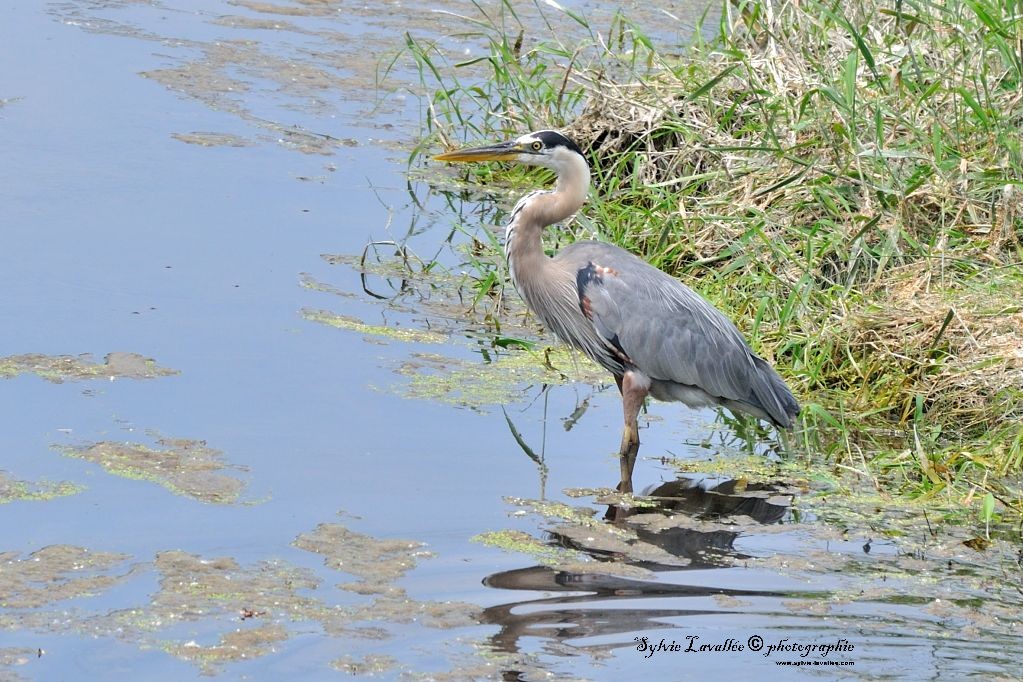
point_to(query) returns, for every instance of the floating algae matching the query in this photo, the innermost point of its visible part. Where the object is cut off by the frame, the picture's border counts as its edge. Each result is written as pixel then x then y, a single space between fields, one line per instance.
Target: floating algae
pixel 243 605
pixel 478 385
pixel 372 664
pixel 435 302
pixel 202 139
pixel 238 645
pixel 520 542
pixel 408 335
pixel 15 656
pixel 55 573
pixel 377 563
pixel 61 368
pixel 12 490
pixel 185 467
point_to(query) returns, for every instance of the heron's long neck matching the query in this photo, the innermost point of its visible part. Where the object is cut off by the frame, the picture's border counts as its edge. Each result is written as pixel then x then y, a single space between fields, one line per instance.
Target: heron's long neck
pixel 534 212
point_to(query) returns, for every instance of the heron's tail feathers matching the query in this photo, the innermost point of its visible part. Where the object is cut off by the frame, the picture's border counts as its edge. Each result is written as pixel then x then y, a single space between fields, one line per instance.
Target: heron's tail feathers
pixel 770 395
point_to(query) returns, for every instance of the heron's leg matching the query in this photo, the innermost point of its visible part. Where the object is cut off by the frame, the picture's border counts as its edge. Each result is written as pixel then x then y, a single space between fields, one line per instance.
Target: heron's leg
pixel 634 389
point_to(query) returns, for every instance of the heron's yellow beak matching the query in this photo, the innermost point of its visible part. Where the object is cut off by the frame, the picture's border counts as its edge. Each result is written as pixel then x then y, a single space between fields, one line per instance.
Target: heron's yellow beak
pixel 502 151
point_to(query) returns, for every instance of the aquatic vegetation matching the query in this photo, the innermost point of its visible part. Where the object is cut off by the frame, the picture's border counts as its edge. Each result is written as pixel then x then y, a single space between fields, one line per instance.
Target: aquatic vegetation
pixel 236 611
pixel 239 645
pixel 16 656
pixel 521 542
pixel 243 609
pixel 53 574
pixel 409 335
pixel 482 385
pixel 185 467
pixel 905 568
pixel 432 299
pixel 60 368
pixel 12 490
pixel 377 563
pixel 206 139
pixel 373 664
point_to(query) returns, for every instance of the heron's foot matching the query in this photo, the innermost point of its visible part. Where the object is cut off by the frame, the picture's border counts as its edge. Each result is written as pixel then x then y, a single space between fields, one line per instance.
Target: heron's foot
pixel 627 456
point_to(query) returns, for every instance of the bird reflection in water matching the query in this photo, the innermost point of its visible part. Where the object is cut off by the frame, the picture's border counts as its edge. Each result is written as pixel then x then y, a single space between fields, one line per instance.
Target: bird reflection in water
pixel 590 604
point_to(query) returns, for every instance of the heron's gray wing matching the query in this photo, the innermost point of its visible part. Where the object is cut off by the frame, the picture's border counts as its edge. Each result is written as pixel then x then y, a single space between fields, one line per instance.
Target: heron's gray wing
pixel 670 333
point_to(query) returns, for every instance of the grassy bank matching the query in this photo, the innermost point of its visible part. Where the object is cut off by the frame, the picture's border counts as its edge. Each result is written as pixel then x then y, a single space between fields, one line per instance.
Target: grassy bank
pixel 845 180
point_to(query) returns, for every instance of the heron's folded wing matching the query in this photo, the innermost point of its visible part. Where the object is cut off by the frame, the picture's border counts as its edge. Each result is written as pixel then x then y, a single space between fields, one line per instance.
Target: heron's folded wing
pixel 665 329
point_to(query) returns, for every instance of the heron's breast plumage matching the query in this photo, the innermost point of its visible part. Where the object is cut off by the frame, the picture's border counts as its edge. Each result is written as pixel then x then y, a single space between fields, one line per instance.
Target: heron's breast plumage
pixel 548 286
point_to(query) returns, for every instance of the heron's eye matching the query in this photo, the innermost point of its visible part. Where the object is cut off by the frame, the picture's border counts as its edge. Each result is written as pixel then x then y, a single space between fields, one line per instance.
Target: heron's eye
pixel 537 146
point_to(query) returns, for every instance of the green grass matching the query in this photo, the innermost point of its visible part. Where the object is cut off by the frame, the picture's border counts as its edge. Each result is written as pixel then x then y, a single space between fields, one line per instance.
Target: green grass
pixel 845 180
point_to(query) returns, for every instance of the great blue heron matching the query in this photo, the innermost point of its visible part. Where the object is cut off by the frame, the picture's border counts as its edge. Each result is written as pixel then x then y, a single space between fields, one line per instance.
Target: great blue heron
pixel 654 334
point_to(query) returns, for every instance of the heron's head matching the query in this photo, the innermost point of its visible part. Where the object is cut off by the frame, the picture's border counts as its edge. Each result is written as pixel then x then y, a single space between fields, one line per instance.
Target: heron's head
pixel 546 148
